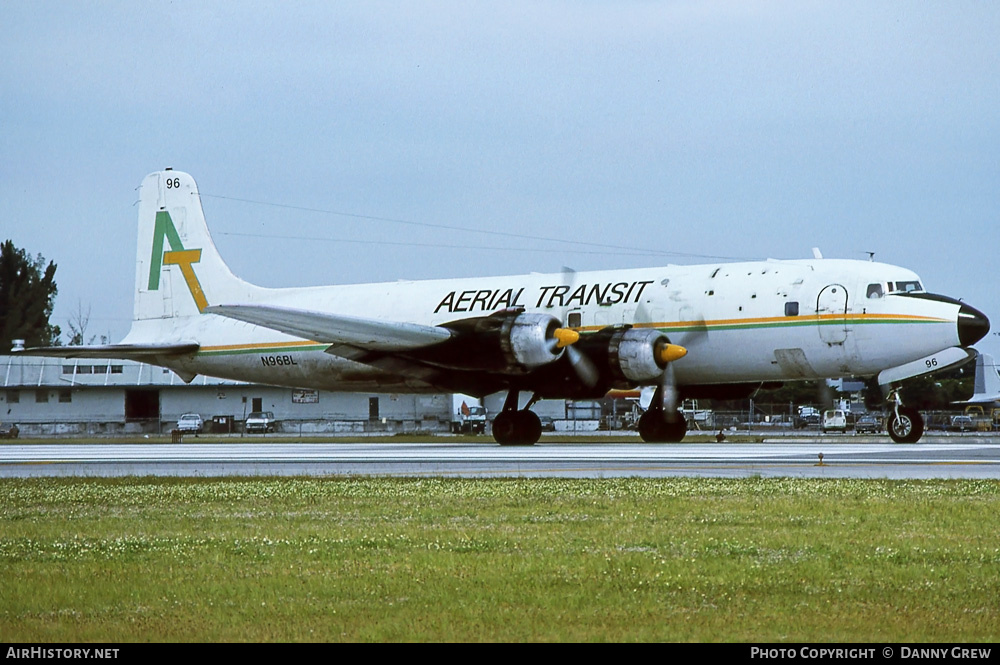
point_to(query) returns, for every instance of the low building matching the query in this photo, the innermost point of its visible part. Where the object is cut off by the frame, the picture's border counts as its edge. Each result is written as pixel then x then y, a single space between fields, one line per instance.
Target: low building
pixel 45 396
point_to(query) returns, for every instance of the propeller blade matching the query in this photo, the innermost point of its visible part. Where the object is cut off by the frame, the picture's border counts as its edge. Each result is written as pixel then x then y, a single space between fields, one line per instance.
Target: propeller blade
pixel 695 327
pixel 669 394
pixel 583 366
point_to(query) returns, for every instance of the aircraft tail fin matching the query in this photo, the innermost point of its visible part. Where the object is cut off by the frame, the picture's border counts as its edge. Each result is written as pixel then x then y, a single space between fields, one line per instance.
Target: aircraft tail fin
pixel 179 271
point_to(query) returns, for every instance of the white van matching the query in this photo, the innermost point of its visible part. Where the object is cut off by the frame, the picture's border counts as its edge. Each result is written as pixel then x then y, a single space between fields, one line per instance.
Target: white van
pixel 834 420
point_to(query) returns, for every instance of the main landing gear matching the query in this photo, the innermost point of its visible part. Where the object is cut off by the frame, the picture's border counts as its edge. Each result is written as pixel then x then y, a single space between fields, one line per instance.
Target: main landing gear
pixel 655 427
pixel 662 424
pixel 905 424
pixel 517 427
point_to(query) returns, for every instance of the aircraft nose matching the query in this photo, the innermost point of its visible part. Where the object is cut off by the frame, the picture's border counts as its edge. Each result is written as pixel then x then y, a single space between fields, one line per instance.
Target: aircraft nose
pixel 972 325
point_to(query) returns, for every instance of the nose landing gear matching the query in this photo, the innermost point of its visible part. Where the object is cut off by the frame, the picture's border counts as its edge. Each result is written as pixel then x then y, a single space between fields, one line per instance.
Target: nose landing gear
pixel 905 424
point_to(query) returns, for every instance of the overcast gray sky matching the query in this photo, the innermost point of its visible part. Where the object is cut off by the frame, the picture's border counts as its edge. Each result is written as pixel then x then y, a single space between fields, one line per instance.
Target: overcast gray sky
pixel 685 131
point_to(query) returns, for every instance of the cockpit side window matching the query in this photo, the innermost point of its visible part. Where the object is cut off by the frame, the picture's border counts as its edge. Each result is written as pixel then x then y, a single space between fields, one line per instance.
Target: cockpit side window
pixel 875 291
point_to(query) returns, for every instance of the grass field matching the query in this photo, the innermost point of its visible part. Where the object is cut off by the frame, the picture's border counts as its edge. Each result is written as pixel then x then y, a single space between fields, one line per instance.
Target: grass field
pixel 358 559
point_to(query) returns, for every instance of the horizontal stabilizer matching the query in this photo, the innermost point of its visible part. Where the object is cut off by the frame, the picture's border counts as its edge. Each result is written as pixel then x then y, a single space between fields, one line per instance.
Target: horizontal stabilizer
pixel 328 328
pixel 112 351
pixel 987 382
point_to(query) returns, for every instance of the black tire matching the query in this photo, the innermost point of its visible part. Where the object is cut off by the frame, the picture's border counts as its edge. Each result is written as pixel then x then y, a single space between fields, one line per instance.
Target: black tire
pixel 530 427
pixel 505 428
pixel 517 428
pixel 654 428
pixel 907 428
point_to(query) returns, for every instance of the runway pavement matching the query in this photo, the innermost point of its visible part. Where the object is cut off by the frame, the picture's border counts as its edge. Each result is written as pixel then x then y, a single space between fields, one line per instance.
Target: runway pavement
pixel 951 457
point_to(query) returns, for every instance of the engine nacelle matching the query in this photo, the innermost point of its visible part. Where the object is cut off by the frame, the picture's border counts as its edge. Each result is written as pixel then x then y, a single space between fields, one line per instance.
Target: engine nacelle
pixel 634 354
pixel 507 342
pixel 529 339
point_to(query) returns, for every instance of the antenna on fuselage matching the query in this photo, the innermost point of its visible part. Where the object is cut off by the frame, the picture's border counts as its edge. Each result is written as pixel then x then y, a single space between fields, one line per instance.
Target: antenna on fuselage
pixel 816 253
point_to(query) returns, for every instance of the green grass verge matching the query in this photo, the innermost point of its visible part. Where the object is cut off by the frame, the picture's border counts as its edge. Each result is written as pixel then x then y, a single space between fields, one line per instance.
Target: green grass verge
pixel 360 559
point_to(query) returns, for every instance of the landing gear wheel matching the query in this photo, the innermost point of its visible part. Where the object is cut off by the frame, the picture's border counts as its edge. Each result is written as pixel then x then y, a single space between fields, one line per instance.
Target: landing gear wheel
pixel 529 427
pixel 908 427
pixel 655 428
pixel 517 428
pixel 505 427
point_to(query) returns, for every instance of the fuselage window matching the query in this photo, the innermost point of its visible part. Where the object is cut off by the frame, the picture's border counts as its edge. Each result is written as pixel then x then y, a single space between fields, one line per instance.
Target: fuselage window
pixel 791 308
pixel 574 320
pixel 874 290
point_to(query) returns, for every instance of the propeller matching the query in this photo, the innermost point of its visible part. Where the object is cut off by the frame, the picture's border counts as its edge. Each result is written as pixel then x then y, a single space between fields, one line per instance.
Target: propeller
pixel 694 332
pixel 564 339
pixel 584 367
pixel 669 394
pixel 695 327
pixel 666 392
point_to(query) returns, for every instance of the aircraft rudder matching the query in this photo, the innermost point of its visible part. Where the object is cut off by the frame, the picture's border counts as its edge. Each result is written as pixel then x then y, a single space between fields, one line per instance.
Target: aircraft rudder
pixel 179 271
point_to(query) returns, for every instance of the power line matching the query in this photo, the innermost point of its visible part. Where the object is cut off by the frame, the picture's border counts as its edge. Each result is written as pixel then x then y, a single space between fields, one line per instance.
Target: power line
pixel 644 251
pixel 636 252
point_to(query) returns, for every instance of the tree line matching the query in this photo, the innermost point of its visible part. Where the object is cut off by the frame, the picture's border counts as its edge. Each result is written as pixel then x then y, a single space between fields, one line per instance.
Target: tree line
pixel 27 294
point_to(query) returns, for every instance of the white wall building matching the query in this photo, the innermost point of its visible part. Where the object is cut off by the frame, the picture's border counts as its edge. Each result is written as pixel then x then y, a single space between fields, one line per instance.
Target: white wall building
pixel 58 396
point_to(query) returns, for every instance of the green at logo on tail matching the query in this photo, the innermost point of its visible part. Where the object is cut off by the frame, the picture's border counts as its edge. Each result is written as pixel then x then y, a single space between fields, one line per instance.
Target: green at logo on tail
pixel 177 256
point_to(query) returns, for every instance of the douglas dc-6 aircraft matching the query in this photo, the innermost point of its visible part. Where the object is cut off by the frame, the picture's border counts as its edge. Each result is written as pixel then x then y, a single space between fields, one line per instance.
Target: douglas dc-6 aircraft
pixel 717 330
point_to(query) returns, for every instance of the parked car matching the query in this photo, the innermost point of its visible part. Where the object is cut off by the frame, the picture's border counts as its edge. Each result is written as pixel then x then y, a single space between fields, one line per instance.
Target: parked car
pixel 962 424
pixel 868 424
pixel 190 422
pixel 9 431
pixel 834 420
pixel 808 415
pixel 260 421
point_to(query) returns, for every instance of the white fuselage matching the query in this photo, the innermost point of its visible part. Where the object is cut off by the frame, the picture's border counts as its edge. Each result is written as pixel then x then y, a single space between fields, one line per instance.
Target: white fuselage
pixel 741 322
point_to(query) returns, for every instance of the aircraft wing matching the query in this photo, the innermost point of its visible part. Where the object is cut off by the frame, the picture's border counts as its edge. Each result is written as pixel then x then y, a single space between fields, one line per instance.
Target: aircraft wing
pixel 367 334
pixel 141 352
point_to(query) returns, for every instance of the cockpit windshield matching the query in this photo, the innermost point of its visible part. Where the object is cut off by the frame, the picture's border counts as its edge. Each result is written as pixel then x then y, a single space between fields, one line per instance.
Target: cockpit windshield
pixel 878 289
pixel 904 287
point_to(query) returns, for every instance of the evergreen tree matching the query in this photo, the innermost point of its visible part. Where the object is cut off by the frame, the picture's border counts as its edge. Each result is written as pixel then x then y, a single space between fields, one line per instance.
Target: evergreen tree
pixel 27 294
